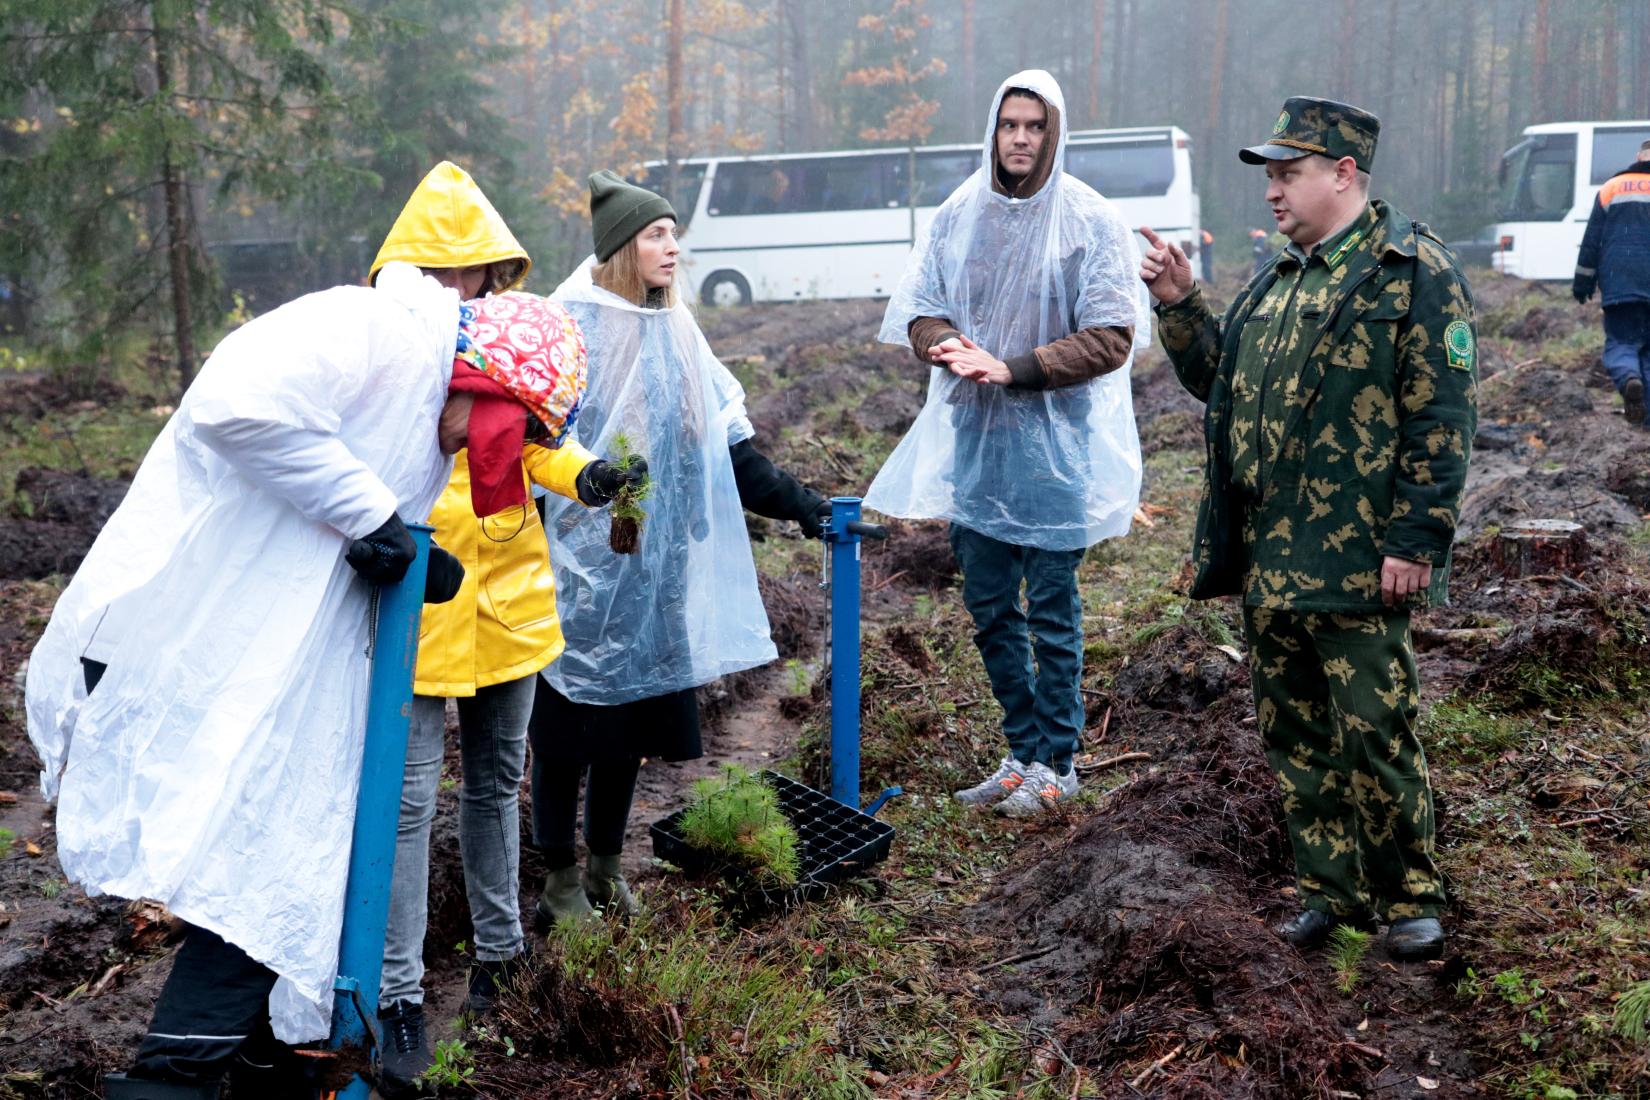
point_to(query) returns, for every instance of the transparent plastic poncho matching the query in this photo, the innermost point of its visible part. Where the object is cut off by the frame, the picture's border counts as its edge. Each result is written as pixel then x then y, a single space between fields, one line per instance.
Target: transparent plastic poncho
pixel 685 608
pixel 1056 469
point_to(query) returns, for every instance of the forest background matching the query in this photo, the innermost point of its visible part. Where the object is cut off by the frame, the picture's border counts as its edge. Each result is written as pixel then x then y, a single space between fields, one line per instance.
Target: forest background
pixel 146 147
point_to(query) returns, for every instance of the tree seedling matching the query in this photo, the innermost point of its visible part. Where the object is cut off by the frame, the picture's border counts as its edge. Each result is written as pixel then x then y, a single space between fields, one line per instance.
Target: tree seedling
pixel 737 815
pixel 1346 951
pixel 625 534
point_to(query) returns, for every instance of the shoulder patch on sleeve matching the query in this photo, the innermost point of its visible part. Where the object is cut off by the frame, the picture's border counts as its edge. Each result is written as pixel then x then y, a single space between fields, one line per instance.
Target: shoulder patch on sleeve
pixel 1458 345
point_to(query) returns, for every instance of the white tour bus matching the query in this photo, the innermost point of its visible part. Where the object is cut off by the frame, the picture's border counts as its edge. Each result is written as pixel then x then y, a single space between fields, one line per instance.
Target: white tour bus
pixel 1548 183
pixel 781 228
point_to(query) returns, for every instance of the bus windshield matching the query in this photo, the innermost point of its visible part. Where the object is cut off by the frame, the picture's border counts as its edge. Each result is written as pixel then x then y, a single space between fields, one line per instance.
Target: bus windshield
pixel 1538 179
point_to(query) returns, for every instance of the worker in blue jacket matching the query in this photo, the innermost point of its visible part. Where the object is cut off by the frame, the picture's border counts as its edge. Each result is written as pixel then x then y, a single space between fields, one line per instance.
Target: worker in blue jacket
pixel 1615 261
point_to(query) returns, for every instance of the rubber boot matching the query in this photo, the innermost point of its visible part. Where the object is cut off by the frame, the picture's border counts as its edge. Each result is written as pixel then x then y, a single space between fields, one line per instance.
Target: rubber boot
pixel 562 899
pixel 118 1086
pixel 606 888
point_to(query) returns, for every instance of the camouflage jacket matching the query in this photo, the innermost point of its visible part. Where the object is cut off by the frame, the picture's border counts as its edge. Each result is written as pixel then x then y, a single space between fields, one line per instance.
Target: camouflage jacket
pixel 1373 454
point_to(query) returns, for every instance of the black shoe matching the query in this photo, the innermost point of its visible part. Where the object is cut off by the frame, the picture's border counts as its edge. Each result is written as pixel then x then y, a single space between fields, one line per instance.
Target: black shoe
pixel 488 978
pixel 118 1086
pixel 1413 939
pixel 406 1050
pixel 1632 396
pixel 1310 928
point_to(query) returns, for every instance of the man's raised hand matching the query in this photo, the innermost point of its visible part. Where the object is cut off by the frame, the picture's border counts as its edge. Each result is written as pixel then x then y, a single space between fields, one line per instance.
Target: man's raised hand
pixel 1165 269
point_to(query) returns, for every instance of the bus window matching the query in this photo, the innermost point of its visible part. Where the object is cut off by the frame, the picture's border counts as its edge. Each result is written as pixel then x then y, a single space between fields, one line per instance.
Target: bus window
pixel 1539 179
pixel 1124 169
pixel 689 179
pixel 1614 150
pixel 938 174
pixel 853 183
pixel 805 186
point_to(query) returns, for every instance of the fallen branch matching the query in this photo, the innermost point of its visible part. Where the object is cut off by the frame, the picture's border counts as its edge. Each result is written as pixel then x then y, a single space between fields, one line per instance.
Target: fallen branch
pixel 1113 761
pixel 1427 637
pixel 886 581
pixel 1020 958
pixel 1157 1065
pixel 109 975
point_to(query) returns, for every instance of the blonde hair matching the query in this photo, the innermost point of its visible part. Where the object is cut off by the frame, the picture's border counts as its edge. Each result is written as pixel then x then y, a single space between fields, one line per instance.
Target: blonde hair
pixel 621 274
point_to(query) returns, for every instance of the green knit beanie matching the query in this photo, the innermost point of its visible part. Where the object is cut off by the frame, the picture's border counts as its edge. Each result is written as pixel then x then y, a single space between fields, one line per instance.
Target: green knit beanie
pixel 619 211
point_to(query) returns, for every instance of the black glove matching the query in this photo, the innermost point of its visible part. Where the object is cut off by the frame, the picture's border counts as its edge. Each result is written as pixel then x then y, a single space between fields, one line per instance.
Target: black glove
pixel 383 556
pixel 601 481
pixel 444 577
pixel 1582 286
pixel 813 519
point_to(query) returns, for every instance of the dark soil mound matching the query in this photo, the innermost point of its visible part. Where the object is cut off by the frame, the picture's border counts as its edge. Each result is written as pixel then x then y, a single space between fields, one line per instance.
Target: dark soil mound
pixel 1180 671
pixel 54 518
pixel 918 552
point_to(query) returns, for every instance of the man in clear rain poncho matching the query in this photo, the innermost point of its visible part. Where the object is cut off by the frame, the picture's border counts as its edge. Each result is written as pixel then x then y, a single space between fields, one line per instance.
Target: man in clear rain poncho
pixel 1023 297
pixel 199 697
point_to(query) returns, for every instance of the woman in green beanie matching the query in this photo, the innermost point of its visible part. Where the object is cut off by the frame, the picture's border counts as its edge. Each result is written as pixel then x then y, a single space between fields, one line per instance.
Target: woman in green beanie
pixel 644 630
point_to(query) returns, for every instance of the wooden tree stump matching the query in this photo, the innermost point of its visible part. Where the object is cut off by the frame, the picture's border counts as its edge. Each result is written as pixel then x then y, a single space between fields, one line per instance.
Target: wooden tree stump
pixel 1536 547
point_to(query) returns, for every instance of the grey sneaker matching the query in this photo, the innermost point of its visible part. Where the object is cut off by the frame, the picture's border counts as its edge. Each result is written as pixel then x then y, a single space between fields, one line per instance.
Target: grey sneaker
pixel 996 787
pixel 1041 791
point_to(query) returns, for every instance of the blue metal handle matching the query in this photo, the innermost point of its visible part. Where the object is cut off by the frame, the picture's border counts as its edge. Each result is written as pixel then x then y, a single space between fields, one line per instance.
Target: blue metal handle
pixel 378 807
pixel 843 535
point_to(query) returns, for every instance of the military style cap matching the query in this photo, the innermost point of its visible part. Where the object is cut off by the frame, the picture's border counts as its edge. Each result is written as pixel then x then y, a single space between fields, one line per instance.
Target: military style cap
pixel 1310 125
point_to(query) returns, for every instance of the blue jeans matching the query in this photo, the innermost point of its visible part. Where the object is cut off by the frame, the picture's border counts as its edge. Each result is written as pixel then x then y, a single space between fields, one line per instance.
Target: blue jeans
pixel 1627 344
pixel 1042 708
pixel 492 739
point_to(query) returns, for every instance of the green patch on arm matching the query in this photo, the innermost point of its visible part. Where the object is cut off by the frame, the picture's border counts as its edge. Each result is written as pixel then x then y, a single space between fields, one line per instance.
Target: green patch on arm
pixel 1459 346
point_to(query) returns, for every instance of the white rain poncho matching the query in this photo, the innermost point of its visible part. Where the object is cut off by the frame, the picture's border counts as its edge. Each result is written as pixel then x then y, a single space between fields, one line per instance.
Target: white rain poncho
pixel 1057 469
pixel 685 608
pixel 215 768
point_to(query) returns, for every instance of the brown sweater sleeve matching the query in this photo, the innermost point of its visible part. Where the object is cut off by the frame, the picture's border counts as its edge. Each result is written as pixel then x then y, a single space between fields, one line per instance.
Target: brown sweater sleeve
pixel 926 332
pixel 1080 357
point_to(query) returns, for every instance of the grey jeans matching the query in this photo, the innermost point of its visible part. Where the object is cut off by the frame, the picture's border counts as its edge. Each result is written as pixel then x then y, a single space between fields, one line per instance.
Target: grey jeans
pixel 492 738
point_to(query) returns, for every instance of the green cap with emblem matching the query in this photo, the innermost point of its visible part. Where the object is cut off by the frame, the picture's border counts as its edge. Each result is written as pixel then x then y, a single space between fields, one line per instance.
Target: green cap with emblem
pixel 1310 125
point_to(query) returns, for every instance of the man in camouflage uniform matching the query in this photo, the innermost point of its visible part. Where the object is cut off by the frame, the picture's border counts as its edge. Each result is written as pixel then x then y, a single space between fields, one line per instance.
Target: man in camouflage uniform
pixel 1340 390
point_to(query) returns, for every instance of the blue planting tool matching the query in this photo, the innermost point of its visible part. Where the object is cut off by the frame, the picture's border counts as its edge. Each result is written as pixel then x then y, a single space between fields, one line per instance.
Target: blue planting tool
pixel 843 535
pixel 393 650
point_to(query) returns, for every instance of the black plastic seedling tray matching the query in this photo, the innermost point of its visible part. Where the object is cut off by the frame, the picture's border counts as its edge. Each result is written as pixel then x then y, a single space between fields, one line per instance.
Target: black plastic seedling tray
pixel 837 841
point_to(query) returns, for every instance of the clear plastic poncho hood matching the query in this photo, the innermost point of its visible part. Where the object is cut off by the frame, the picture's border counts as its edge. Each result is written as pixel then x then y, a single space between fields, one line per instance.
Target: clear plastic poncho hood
pixel 1057 469
pixel 685 608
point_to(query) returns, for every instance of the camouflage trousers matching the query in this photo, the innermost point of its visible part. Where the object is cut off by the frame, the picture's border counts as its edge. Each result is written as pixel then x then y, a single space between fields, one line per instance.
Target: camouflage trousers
pixel 1336 697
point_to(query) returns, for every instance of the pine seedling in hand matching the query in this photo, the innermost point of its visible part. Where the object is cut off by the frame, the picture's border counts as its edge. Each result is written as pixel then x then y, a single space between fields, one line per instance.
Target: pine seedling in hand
pixel 624 536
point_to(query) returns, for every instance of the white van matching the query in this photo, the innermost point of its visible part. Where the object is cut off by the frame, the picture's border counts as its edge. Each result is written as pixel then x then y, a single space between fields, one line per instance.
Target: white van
pixel 836 225
pixel 1548 183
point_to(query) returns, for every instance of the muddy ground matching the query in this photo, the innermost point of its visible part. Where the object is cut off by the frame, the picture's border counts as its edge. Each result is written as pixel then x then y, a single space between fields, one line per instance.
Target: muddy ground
pixel 1127 942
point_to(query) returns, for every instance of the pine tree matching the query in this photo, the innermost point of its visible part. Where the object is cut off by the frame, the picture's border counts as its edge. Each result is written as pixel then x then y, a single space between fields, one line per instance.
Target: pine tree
pixel 133 111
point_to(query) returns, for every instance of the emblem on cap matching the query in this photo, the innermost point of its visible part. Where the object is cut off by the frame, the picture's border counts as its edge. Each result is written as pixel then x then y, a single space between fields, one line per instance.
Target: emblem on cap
pixel 1283 122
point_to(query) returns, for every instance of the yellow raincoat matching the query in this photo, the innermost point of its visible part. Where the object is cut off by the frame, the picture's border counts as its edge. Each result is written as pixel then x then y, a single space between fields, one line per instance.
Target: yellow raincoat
pixel 502 625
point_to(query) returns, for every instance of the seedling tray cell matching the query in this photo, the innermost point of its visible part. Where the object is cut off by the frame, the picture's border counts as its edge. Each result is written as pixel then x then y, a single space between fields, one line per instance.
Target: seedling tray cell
pixel 835 841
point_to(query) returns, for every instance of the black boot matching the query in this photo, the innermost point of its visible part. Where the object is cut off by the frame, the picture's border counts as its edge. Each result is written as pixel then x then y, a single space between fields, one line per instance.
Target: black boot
pixel 1414 939
pixel 1632 396
pixel 489 977
pixel 1310 928
pixel 118 1086
pixel 406 1051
